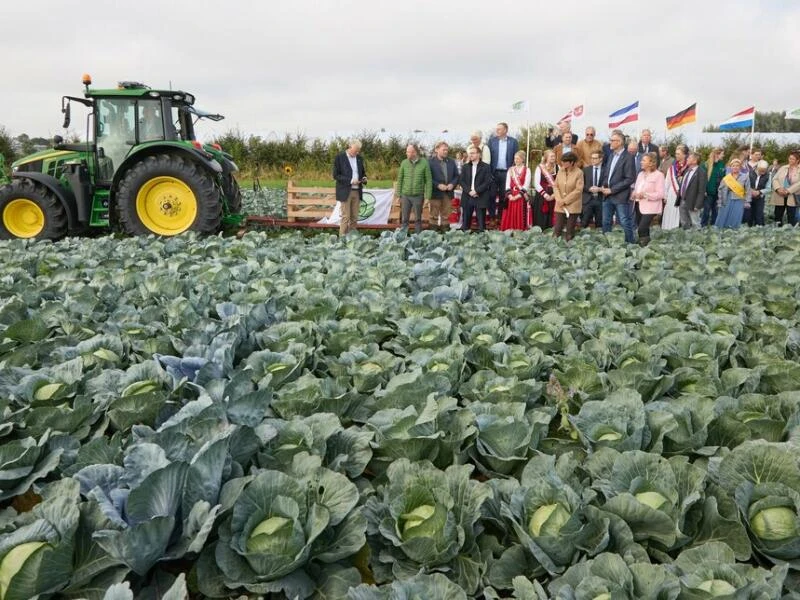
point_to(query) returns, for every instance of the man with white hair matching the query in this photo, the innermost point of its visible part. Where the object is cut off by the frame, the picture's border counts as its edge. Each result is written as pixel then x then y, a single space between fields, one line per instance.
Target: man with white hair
pixel 759 187
pixel 350 176
pixel 476 139
pixel 646 146
pixel 556 135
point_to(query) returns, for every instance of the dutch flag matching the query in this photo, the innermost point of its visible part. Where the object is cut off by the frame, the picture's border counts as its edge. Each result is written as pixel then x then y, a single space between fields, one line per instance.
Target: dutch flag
pixel 628 114
pixel 740 120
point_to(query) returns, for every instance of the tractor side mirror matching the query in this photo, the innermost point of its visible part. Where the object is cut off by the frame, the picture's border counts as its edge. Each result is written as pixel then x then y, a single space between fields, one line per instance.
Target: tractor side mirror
pixel 57 141
pixel 67 114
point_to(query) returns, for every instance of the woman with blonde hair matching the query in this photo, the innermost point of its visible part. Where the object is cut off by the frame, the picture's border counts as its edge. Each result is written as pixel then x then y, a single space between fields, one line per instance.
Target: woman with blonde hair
pixel 518 182
pixel 544 180
pixel 734 194
pixel 648 194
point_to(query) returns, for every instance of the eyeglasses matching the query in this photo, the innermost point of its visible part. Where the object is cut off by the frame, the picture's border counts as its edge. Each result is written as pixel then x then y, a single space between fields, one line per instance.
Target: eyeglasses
pixel 589 135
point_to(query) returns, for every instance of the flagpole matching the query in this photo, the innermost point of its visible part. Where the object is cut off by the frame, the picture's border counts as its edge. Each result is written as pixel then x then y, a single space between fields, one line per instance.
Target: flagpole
pixel 528 143
pixel 752 130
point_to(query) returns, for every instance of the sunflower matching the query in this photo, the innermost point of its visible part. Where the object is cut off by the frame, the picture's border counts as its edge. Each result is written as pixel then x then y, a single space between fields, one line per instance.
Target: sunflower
pixel 288 170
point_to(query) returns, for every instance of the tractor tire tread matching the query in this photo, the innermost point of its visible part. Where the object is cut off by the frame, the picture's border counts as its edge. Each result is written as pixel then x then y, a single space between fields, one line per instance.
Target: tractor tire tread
pixel 209 205
pixel 55 217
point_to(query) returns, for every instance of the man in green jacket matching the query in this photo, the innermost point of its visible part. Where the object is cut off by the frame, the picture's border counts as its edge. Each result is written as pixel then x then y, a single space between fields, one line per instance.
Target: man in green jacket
pixel 414 186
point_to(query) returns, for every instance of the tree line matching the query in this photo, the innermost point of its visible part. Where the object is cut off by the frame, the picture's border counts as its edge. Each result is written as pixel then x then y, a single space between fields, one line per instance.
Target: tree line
pixel 297 155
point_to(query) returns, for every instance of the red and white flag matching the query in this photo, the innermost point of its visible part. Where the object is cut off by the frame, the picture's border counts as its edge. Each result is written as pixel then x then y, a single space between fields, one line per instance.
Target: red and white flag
pixel 573 115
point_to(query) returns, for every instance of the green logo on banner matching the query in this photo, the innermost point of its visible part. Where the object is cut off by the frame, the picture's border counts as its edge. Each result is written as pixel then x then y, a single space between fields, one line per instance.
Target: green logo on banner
pixel 367 208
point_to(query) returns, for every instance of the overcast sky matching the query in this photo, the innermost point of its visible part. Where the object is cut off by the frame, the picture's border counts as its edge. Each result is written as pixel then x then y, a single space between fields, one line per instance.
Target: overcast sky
pixel 344 66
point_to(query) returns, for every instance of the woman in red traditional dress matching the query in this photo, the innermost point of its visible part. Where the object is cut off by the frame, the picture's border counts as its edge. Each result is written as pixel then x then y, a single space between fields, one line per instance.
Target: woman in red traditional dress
pixel 544 178
pixel 518 182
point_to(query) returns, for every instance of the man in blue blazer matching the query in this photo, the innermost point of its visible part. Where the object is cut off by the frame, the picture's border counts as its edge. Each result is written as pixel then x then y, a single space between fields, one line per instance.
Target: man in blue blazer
pixel 617 177
pixel 502 148
pixel 350 176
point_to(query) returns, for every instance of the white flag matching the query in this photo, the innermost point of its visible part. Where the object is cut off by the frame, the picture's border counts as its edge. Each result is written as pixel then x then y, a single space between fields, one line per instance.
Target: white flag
pixel 520 105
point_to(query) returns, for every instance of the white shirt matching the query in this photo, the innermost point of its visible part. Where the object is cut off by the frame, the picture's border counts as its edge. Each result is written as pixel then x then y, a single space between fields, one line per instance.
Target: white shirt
pixel 502 149
pixel 354 166
pixel 474 170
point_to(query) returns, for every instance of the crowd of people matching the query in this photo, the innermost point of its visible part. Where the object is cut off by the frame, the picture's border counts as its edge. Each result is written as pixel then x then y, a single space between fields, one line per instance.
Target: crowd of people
pixel 581 183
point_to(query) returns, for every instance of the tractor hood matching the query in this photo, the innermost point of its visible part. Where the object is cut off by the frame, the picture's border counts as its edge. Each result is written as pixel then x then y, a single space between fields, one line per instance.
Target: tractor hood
pixel 38 158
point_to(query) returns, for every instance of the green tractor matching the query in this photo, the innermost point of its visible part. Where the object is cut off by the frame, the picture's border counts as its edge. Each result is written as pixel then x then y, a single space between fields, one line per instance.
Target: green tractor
pixel 140 171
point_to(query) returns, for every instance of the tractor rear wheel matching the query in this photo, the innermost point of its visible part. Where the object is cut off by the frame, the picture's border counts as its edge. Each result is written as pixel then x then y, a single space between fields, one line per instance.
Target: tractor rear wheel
pixel 167 194
pixel 232 192
pixel 30 210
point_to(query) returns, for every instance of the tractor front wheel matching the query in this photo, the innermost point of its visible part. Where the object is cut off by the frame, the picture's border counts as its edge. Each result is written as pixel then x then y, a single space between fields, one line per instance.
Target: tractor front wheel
pixel 30 210
pixel 166 194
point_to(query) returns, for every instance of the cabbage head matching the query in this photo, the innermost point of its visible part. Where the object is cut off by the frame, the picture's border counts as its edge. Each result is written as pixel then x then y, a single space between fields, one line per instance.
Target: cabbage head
pixel 279 524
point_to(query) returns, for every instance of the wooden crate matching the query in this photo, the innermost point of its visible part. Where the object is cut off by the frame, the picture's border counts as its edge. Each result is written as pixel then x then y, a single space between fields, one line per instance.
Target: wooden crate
pixel 314 203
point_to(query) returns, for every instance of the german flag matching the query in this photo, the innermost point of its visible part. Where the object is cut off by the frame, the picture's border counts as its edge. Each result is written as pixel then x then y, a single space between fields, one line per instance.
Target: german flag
pixel 686 116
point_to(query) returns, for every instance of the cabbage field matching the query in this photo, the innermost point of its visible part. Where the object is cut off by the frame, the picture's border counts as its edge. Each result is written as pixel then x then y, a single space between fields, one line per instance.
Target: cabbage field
pixel 389 417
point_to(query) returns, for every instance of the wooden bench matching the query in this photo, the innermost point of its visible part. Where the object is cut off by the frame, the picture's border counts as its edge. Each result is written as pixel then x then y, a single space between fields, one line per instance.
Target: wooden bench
pixel 304 204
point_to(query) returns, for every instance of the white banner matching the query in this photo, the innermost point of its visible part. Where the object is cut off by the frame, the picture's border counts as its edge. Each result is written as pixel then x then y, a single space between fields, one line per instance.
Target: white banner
pixel 375 208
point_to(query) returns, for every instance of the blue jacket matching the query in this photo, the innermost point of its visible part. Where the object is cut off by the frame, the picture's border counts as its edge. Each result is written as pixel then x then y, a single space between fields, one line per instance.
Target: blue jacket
pixel 512 147
pixel 438 176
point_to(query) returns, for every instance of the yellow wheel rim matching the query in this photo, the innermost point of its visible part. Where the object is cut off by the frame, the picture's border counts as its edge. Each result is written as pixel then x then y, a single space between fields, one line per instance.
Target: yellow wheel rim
pixel 23 218
pixel 166 205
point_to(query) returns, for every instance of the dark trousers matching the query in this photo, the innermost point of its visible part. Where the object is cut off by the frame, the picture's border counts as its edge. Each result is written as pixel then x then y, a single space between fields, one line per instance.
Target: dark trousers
pixel 644 228
pixel 709 216
pixel 561 220
pixel 755 214
pixel 496 203
pixel 593 212
pixel 469 208
pixel 791 215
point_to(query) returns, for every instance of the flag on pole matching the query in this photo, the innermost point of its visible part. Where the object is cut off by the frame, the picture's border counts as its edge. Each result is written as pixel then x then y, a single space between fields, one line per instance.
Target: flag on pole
pixel 574 114
pixel 686 116
pixel 627 114
pixel 520 105
pixel 793 113
pixel 740 120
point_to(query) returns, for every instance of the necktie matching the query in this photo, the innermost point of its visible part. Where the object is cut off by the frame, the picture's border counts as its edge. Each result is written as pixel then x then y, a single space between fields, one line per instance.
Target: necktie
pixel 596 176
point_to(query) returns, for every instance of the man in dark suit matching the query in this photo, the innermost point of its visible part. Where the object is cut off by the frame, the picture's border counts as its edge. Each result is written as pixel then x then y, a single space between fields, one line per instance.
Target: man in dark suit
pixel 592 197
pixel 646 146
pixel 350 176
pixel 616 178
pixel 502 148
pixel 759 178
pixel 476 180
pixel 444 174
pixel 692 192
